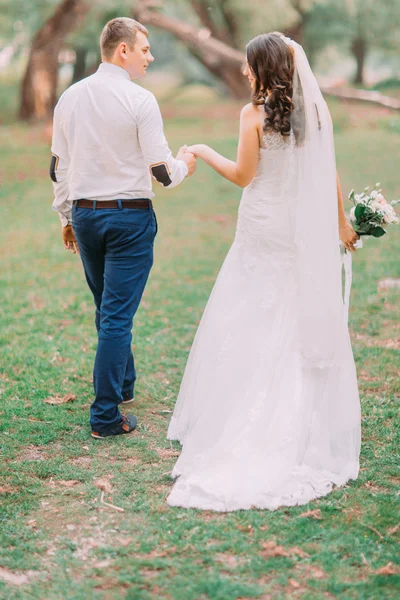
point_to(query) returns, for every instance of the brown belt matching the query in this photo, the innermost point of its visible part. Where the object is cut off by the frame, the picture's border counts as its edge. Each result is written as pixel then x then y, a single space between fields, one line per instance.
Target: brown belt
pixel 95 204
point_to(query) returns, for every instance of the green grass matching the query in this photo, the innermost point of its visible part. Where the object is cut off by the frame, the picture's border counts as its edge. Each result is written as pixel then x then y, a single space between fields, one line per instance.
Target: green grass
pixel 58 534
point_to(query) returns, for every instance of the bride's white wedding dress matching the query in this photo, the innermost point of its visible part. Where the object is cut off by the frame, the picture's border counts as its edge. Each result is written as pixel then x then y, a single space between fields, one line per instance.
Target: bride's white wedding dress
pixel 261 426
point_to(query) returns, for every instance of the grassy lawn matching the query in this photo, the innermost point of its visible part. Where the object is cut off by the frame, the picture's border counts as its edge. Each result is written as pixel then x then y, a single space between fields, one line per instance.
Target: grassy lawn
pixel 57 539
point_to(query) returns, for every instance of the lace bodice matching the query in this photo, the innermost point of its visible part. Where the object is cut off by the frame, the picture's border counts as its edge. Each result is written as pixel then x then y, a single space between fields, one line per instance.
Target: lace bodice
pixel 272 140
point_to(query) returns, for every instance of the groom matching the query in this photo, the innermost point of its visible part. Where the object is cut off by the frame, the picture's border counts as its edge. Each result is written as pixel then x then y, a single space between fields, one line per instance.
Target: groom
pixel 108 141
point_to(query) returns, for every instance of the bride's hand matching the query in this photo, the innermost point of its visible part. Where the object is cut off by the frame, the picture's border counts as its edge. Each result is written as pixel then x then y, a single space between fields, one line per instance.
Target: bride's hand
pixel 196 149
pixel 348 236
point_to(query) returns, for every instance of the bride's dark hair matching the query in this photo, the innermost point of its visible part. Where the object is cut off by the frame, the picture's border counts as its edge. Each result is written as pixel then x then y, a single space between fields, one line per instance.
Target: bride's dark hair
pixel 272 63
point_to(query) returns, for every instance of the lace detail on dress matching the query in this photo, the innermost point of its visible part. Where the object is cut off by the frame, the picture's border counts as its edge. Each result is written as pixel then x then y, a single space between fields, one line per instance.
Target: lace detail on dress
pixel 272 140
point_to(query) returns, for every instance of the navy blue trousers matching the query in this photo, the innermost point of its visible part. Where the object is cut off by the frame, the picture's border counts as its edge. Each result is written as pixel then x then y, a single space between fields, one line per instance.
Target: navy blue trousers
pixel 116 247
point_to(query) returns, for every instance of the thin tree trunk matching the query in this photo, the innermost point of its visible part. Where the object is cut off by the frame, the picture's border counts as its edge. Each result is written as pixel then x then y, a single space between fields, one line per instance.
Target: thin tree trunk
pixel 80 64
pixel 359 49
pixel 39 86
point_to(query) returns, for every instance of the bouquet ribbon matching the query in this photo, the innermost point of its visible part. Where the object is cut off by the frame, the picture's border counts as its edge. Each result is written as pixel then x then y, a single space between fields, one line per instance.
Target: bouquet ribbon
pixel 348 278
pixel 347 262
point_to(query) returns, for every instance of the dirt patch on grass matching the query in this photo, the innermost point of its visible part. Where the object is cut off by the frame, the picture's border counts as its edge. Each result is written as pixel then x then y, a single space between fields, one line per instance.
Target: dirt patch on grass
pixel 167 453
pixel 9 489
pixel 18 578
pixel 370 342
pixel 42 452
pixel 33 453
pixel 81 461
pixel 231 561
pixel 353 513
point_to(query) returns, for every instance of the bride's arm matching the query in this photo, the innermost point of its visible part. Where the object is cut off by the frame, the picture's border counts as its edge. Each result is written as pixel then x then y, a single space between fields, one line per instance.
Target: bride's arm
pixel 346 232
pixel 244 169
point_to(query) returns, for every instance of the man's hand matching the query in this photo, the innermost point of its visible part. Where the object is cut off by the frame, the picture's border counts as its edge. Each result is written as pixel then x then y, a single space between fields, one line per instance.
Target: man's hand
pixel 348 236
pixel 188 158
pixel 69 240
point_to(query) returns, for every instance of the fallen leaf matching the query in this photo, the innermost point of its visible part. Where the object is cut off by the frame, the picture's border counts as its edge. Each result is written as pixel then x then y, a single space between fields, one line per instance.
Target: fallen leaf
pixel 393 530
pixel 271 548
pixel 299 552
pixel 124 541
pixel 54 400
pixel 314 514
pixel 245 528
pixel 102 564
pixel 69 483
pixel 294 583
pixel 103 484
pixel 159 553
pixel 32 523
pixel 228 560
pixel 264 528
pixel 388 569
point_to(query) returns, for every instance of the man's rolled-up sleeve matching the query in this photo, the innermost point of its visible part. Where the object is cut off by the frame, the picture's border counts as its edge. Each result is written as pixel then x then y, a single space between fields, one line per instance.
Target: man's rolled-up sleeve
pixel 163 167
pixel 59 165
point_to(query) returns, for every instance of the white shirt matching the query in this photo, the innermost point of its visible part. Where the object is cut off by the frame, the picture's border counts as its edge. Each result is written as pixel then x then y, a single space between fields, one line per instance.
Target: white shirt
pixel 108 141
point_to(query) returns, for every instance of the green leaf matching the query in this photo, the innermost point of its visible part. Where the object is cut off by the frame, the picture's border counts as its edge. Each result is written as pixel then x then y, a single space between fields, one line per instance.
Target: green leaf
pixel 360 210
pixel 377 232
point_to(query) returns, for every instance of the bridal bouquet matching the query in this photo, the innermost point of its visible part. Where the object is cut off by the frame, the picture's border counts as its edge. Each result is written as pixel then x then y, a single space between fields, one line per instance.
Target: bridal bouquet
pixel 371 212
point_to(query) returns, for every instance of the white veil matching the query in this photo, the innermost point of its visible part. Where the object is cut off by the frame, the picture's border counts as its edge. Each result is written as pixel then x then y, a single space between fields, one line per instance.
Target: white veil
pixel 268 410
pixel 313 190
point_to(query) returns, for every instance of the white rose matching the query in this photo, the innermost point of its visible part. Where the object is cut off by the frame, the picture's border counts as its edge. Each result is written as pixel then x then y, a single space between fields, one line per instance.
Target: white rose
pixel 377 206
pixel 391 218
pixel 388 210
pixel 374 194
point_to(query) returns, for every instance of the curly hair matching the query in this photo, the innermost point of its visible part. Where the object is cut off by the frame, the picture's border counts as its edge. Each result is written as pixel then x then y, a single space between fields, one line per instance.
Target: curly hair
pixel 271 61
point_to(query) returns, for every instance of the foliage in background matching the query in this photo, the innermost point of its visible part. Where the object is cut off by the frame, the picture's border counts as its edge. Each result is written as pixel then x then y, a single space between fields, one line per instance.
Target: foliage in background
pixel 355 27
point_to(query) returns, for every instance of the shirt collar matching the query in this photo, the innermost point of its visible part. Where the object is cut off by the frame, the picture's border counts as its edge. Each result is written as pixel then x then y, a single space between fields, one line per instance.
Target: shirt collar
pixel 106 67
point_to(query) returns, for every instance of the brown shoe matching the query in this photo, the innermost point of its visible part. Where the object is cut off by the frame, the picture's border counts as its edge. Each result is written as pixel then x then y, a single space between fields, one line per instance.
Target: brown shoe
pixel 126 425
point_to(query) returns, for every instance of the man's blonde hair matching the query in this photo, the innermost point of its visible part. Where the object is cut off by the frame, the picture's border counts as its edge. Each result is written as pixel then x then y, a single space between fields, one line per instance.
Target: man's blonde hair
pixel 122 29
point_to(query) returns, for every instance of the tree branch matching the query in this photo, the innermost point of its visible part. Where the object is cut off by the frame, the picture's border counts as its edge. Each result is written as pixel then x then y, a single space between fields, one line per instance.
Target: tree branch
pixel 219 58
pixel 200 8
pixel 200 39
pixel 231 22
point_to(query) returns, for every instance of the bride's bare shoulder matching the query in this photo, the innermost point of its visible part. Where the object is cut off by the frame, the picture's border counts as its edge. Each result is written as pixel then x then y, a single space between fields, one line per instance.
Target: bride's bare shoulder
pixel 250 111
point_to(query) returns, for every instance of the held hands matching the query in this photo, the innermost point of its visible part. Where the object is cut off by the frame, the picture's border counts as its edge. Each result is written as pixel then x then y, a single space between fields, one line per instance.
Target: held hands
pixel 348 236
pixel 69 239
pixel 188 158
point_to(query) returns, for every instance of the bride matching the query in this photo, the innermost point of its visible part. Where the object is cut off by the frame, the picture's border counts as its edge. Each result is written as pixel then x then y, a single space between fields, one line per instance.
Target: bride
pixel 268 411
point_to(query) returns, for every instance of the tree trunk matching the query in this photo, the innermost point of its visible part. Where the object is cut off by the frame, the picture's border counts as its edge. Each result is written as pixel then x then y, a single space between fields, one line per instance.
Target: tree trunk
pixel 221 60
pixel 359 49
pixel 80 64
pixel 296 31
pixel 227 29
pixel 39 86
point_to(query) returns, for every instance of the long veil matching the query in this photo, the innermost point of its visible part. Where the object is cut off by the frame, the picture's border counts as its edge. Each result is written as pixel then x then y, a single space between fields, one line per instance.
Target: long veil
pixel 314 193
pixel 268 410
